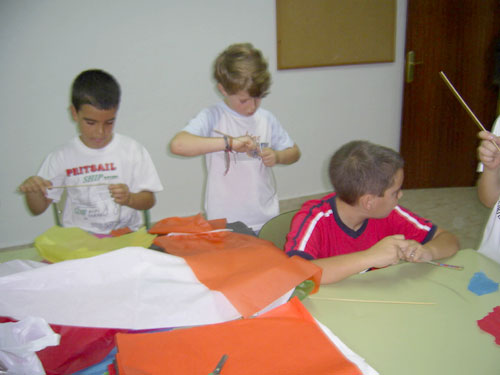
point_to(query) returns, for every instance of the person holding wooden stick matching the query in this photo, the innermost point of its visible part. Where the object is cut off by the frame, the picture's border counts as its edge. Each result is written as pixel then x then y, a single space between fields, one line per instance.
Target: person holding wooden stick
pixel 361 226
pixel 108 176
pixel 240 141
pixel 488 189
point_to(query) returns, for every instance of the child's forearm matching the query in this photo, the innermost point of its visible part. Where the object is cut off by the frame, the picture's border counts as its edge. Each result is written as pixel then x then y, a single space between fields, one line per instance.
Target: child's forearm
pixel 443 245
pixel 37 202
pixel 144 200
pixel 288 156
pixel 339 267
pixel 384 253
pixel 488 187
pixel 187 144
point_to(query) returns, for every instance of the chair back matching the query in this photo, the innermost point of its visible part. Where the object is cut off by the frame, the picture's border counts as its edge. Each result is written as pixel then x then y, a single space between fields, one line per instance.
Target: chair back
pixel 59 208
pixel 276 229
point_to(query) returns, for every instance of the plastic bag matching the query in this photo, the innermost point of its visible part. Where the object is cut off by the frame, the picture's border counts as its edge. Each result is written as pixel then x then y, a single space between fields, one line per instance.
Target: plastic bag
pixel 58 243
pixel 19 343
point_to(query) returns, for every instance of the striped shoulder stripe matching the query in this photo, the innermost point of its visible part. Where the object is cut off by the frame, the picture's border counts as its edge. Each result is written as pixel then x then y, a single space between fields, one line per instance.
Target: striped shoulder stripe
pixel 311 226
pixel 411 219
pixel 305 221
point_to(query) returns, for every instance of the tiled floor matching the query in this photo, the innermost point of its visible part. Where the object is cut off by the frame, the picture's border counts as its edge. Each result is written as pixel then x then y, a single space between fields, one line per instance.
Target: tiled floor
pixel 457 210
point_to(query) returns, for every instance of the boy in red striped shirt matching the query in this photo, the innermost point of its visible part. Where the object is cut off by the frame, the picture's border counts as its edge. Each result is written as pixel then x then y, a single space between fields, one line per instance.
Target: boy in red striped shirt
pixel 361 226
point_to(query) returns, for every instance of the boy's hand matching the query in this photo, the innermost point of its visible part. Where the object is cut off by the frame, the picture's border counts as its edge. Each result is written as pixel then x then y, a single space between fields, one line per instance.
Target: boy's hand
pixel 487 152
pixel 388 251
pixel 35 184
pixel 416 252
pixel 269 157
pixel 244 143
pixel 120 194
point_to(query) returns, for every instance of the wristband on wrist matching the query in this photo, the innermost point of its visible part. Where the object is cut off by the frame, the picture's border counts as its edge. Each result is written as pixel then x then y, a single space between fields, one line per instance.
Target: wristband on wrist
pixel 228 140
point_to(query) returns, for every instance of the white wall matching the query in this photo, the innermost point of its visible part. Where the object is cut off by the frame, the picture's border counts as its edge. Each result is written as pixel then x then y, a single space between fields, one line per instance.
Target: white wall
pixel 161 53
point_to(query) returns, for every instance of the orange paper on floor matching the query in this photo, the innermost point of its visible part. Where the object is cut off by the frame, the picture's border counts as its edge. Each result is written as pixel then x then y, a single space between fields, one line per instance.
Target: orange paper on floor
pixel 284 341
pixel 250 272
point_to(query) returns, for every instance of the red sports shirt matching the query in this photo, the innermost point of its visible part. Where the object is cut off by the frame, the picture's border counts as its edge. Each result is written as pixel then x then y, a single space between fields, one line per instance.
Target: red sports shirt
pixel 317 231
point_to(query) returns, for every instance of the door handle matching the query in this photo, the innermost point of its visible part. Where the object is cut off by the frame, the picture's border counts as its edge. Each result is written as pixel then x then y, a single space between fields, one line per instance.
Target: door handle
pixel 410 66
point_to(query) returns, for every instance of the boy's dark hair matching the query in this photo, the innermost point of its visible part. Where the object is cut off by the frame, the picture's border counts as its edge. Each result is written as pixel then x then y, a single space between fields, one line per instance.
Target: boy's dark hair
pixel 361 167
pixel 97 88
pixel 241 67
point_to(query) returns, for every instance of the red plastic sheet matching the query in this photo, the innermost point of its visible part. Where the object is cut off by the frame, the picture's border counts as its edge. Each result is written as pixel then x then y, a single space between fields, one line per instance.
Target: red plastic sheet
pixel 491 324
pixel 79 348
pixel 284 341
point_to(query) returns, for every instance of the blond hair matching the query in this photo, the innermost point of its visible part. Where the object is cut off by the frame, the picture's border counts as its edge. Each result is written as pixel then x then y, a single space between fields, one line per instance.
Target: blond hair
pixel 241 67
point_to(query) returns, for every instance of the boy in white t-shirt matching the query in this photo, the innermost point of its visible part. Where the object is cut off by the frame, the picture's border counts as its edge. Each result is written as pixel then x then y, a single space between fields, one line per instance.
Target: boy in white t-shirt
pixel 488 189
pixel 240 140
pixel 108 176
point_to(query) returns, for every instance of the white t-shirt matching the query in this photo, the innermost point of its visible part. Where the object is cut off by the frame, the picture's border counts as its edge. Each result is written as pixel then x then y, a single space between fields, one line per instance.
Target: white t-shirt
pixel 490 243
pixel 91 207
pixel 247 192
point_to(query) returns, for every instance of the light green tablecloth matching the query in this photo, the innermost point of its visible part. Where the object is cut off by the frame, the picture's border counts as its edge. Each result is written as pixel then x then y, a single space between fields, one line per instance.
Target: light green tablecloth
pixel 28 252
pixel 407 339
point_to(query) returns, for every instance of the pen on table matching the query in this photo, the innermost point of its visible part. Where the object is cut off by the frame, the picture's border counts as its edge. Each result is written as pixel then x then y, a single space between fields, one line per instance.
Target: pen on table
pixel 451 266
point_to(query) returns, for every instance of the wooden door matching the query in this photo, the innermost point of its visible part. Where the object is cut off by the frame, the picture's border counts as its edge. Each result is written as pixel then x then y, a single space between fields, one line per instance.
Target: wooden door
pixel 438 138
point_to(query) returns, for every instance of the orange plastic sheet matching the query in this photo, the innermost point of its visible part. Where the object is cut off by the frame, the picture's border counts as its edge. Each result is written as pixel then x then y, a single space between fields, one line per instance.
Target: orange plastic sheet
pixel 250 272
pixel 284 341
pixel 189 224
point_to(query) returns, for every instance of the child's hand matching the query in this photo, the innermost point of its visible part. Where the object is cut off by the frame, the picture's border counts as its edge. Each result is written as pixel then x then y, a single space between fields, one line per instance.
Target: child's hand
pixel 487 153
pixel 269 157
pixel 120 194
pixel 388 251
pixel 416 252
pixel 35 184
pixel 244 143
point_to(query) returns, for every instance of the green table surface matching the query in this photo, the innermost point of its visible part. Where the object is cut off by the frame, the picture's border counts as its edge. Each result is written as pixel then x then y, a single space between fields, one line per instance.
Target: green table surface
pixel 27 252
pixel 415 339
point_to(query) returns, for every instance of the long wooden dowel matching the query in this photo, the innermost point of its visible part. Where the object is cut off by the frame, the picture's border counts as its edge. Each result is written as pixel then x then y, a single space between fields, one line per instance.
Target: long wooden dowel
pixel 370 301
pixel 221 133
pixel 75 186
pixel 464 104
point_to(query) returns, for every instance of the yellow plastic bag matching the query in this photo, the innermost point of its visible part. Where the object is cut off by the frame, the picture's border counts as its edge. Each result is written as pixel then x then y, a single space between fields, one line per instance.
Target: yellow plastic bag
pixel 58 243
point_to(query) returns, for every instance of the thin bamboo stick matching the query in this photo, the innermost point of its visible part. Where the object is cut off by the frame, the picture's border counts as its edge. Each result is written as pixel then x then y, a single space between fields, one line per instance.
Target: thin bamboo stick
pixel 75 186
pixel 221 133
pixel 464 104
pixel 370 301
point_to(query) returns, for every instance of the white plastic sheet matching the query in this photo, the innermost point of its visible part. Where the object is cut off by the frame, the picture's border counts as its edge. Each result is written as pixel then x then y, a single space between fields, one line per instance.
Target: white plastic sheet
pixel 19 343
pixel 132 288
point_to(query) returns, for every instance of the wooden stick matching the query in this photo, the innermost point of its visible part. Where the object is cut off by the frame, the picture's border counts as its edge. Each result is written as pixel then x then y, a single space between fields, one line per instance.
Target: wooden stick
pixel 371 301
pixel 464 104
pixel 75 186
pixel 221 133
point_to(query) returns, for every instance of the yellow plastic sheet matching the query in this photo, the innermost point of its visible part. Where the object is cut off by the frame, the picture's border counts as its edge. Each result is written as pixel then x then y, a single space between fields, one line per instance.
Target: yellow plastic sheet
pixel 58 243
